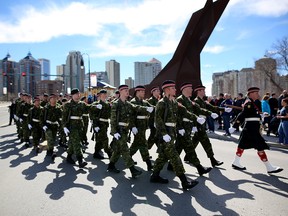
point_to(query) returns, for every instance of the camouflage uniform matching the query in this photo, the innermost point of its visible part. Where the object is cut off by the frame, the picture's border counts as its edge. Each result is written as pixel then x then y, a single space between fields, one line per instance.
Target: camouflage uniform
pixel 35 117
pixel 52 120
pixel 19 102
pixel 152 137
pixel 24 112
pixel 85 117
pixel 100 118
pixel 141 123
pixel 72 119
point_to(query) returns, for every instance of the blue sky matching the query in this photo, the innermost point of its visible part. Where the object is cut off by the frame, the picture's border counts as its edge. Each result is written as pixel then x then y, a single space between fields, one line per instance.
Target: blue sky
pixel 134 30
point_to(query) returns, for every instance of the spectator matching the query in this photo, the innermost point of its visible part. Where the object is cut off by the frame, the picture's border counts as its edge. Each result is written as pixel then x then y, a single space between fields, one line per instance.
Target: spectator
pixel 226 115
pixel 12 111
pixel 210 120
pixel 219 101
pixel 266 113
pixel 283 127
pixel 238 102
pixel 273 103
pixel 283 95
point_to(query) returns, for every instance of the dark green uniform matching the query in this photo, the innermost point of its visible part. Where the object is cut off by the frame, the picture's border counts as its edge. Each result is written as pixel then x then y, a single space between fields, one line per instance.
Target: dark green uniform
pixel 35 117
pixel 24 112
pixel 85 117
pixel 19 102
pixel 152 137
pixel 141 123
pixel 100 118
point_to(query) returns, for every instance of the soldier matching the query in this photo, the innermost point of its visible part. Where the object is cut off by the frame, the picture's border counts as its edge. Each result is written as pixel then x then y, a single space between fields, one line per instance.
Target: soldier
pixel 122 113
pixel 45 100
pixel 73 126
pixel 250 136
pixel 201 134
pixel 23 118
pixel 166 114
pixel 63 138
pixel 19 102
pixel 141 124
pixel 185 141
pixel 153 100
pixel 51 123
pixel 35 116
pixel 85 117
pixel 100 112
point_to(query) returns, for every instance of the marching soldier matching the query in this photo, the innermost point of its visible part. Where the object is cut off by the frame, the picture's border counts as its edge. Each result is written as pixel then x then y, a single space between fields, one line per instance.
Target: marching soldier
pixel 185 141
pixel 166 114
pixel 100 112
pixel 35 116
pixel 122 113
pixel 73 126
pixel 45 100
pixel 250 136
pixel 23 119
pixel 63 138
pixel 153 100
pixel 201 135
pixel 52 114
pixel 141 124
pixel 19 102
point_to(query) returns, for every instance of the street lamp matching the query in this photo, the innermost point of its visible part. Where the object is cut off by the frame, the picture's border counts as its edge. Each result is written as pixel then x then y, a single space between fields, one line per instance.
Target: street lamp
pixel 89 74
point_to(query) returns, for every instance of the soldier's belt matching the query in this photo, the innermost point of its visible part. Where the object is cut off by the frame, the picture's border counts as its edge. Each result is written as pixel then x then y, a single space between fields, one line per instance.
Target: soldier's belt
pixel 50 122
pixel 186 120
pixel 252 119
pixel 76 117
pixel 142 117
pixel 26 115
pixel 203 116
pixel 35 120
pixel 85 115
pixel 123 124
pixel 103 120
pixel 169 124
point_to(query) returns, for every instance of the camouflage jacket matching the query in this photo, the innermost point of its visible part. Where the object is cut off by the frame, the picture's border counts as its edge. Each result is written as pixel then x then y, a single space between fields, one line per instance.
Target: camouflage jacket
pixel 100 116
pixel 52 115
pixel 206 105
pixel 153 101
pixel 18 102
pixel 141 116
pixel 24 111
pixel 35 116
pixel 72 114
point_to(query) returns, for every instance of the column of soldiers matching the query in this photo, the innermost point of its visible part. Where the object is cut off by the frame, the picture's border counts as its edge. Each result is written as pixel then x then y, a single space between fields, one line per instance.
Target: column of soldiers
pixel 175 124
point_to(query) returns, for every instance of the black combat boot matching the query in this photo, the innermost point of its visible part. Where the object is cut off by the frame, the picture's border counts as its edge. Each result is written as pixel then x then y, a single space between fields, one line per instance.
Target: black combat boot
pixel 109 153
pixel 112 168
pixel 81 162
pixel 215 162
pixel 203 170
pixel 135 172
pixel 156 178
pixel 149 165
pixel 27 144
pixel 169 167
pixel 97 155
pixel 185 183
pixel 70 159
pixel 49 152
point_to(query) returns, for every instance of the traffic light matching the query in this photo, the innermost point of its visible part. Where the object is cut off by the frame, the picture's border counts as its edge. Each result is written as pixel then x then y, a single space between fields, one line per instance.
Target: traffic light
pixel 23 74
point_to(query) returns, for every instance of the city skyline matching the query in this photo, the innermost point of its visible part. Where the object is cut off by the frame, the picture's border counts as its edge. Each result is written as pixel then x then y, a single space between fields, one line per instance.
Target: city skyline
pixel 123 30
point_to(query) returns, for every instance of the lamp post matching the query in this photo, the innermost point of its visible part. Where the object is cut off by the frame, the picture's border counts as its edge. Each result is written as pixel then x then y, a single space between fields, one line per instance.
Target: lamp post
pixel 89 75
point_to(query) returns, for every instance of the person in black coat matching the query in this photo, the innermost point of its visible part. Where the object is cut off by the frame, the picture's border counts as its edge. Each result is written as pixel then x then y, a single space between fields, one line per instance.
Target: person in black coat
pixel 12 110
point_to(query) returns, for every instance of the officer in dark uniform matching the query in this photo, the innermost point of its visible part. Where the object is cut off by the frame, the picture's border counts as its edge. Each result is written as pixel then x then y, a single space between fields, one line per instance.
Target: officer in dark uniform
pixel 250 136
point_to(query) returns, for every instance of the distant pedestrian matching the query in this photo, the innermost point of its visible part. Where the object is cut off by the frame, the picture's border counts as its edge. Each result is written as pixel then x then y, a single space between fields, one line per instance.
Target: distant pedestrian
pixel 283 127
pixel 12 111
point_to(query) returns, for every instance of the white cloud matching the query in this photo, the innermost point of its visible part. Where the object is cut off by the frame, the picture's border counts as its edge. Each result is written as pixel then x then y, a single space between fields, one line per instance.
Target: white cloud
pixel 214 49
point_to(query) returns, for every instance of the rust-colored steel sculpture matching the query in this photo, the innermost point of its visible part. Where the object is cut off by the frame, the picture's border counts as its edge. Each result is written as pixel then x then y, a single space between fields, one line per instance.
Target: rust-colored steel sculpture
pixel 185 63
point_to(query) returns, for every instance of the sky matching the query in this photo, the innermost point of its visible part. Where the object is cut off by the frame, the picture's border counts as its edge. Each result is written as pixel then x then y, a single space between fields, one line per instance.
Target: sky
pixel 138 30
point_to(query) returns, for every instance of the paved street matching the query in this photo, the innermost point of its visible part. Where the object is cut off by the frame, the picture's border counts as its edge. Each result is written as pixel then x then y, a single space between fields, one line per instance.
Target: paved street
pixel 31 185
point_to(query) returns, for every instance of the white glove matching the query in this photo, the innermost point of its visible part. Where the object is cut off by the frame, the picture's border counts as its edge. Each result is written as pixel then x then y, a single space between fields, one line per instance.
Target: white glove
pixel 16 117
pixel 29 126
pixel 45 128
pixel 149 109
pixel 214 115
pixel 166 138
pixel 66 131
pixel 228 109
pixel 96 129
pixel 134 130
pixel 231 130
pixel 194 129
pixel 181 132
pixel 201 120
pixel 99 106
pixel 117 136
pixel 266 114
pixel 21 120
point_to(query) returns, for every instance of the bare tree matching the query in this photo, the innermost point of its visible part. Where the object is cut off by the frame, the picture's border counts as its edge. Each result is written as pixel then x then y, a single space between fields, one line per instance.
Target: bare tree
pixel 280 53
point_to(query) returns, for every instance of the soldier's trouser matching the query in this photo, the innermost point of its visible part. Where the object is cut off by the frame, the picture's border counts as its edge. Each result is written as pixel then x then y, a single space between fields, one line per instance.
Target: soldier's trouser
pixel 140 143
pixel 152 138
pixel 201 136
pixel 167 151
pixel 36 134
pixel 26 132
pixel 102 140
pixel 85 128
pixel 120 147
pixel 19 129
pixel 185 142
pixel 74 144
pixel 50 135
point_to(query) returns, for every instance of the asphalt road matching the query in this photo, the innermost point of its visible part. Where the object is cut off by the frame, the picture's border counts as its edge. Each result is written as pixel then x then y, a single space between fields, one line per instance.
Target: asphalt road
pixel 31 185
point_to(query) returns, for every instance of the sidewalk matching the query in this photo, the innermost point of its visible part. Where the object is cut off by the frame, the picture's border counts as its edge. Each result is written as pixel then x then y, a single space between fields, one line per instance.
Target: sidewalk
pixel 272 140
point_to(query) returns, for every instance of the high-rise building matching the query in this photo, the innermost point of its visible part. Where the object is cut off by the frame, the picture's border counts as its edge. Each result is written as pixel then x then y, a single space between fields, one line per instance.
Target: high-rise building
pixel 113 72
pixel 60 71
pixel 30 71
pixel 45 68
pixel 129 82
pixel 145 72
pixel 74 71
